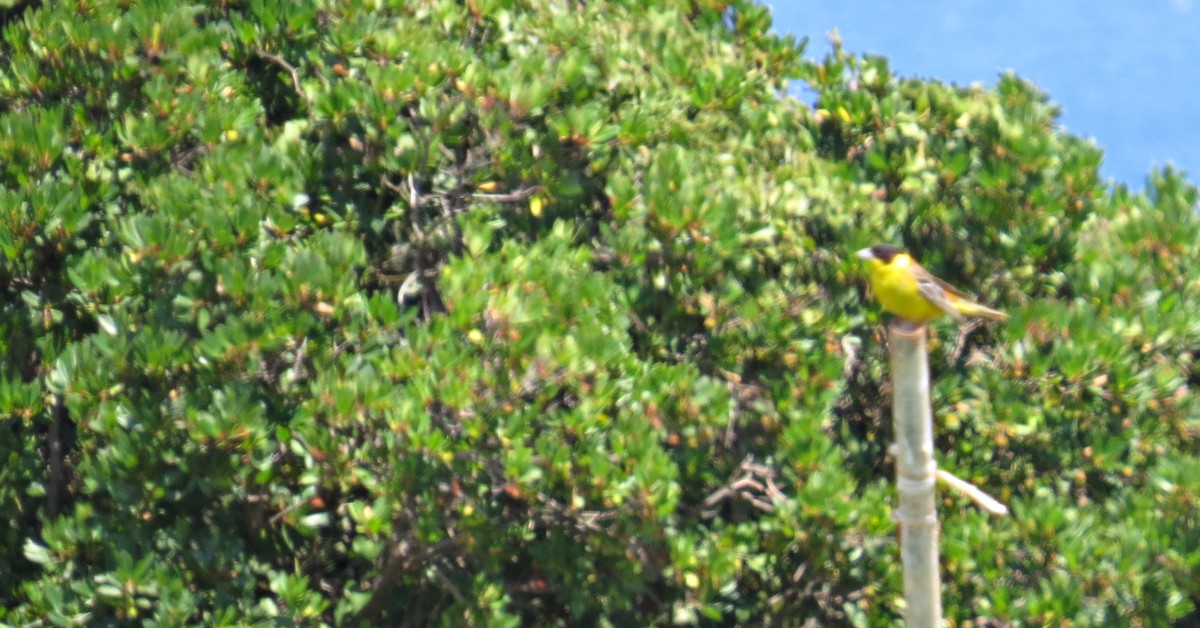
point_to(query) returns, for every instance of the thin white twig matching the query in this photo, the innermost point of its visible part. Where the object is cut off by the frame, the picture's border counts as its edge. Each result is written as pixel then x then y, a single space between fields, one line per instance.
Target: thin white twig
pixel 973 493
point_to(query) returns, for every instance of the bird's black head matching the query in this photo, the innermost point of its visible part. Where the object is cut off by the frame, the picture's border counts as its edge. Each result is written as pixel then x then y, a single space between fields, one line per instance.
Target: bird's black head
pixel 885 252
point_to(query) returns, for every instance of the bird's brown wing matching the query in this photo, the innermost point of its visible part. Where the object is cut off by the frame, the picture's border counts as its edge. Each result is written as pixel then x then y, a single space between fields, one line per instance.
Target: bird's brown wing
pixel 937 291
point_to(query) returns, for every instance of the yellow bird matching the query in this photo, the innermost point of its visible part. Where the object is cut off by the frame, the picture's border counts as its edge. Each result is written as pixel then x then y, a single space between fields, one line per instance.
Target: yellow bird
pixel 909 291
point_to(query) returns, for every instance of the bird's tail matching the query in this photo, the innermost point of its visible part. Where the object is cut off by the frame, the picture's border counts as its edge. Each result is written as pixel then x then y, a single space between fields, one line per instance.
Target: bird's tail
pixel 976 310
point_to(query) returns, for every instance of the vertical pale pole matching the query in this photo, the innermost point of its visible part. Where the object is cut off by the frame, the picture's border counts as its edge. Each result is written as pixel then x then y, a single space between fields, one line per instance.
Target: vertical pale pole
pixel 916 473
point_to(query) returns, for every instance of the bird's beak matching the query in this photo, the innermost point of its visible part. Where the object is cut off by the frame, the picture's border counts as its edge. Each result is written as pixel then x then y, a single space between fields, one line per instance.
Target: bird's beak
pixel 865 254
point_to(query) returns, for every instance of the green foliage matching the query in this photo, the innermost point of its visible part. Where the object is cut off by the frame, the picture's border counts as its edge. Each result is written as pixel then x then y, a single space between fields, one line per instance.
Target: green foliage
pixel 508 313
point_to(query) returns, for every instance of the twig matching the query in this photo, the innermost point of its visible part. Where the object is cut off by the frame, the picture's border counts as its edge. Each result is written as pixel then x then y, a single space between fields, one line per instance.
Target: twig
pixel 414 197
pixel 960 342
pixel 277 517
pixel 733 381
pixel 402 559
pixel 291 69
pixel 508 197
pixel 448 584
pixel 973 493
pixel 583 520
pixel 744 484
pixel 387 183
pixel 299 373
pixel 850 347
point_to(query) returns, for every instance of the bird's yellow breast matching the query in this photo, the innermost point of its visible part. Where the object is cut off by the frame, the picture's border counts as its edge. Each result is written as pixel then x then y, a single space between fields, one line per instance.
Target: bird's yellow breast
pixel 896 289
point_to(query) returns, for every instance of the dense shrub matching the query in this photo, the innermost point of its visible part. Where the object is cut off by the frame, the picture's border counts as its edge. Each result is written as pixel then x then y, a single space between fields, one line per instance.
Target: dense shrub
pixel 543 313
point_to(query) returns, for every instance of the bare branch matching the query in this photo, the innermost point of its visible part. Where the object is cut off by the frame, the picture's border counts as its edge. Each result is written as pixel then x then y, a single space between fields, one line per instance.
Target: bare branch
pixel 291 69
pixel 973 493
pixel 752 483
pixel 508 197
pixel 404 558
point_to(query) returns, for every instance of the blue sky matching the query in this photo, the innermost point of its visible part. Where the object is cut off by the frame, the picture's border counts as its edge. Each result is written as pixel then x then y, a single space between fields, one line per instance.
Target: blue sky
pixel 1126 74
